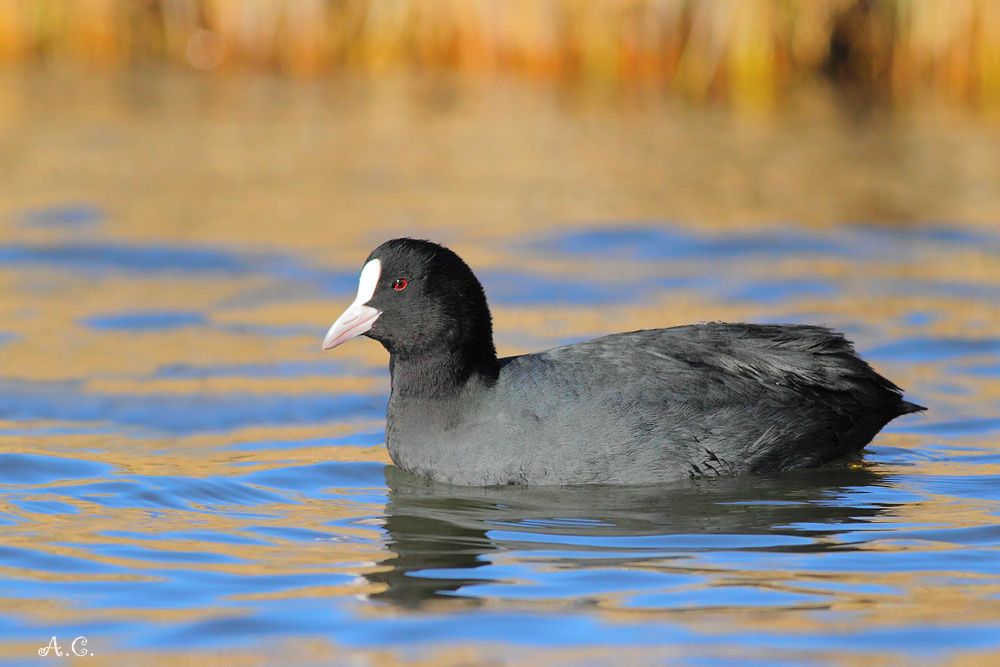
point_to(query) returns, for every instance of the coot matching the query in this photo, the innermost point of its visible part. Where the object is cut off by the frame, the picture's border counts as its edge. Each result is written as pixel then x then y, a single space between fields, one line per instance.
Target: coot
pixel 644 407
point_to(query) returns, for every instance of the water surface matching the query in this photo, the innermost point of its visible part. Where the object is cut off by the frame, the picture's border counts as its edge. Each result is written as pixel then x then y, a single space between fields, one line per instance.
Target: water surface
pixel 184 473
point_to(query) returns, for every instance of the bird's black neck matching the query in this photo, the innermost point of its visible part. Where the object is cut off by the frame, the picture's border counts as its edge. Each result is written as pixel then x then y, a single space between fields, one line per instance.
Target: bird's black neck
pixel 443 374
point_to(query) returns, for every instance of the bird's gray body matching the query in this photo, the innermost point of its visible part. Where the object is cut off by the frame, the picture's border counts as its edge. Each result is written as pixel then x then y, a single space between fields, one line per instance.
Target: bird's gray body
pixel 644 407
pixel 638 408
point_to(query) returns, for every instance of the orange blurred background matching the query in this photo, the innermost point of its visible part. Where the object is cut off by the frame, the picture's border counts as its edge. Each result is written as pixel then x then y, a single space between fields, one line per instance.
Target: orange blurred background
pixel 748 52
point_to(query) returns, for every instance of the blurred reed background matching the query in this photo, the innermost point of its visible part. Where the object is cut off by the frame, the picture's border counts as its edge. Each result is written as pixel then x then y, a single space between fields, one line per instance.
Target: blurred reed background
pixel 188 188
pixel 745 52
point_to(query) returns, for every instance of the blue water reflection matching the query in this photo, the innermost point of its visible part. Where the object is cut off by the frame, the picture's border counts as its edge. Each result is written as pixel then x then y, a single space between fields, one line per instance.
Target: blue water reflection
pixel 140 321
pixel 71 215
pixel 673 242
pixel 225 502
pixel 180 413
pixel 94 258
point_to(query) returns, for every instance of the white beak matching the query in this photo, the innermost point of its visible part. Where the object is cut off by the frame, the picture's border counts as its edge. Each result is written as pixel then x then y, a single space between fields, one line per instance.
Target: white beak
pixel 358 318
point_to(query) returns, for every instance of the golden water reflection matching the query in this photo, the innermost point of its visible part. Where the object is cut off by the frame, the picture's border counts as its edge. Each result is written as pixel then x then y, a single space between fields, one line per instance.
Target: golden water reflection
pixel 172 249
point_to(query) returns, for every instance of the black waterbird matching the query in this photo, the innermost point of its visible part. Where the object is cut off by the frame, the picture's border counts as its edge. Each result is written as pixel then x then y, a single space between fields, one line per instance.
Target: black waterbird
pixel 643 407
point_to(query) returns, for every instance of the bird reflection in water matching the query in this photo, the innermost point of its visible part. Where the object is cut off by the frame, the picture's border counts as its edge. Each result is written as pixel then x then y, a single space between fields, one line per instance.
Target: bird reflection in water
pixel 444 535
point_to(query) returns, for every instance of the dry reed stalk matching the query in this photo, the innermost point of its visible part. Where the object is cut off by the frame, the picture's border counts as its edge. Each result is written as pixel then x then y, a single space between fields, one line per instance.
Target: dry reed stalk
pixel 746 51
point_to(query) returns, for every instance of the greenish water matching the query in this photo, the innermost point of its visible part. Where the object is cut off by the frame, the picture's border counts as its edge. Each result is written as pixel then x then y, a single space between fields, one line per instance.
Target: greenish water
pixel 184 474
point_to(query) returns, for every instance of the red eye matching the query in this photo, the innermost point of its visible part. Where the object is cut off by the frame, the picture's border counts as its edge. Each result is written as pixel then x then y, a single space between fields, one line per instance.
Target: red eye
pixel 399 284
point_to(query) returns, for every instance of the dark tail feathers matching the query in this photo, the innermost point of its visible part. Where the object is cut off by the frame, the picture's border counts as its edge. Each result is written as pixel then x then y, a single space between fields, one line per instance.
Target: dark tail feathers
pixel 905 408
